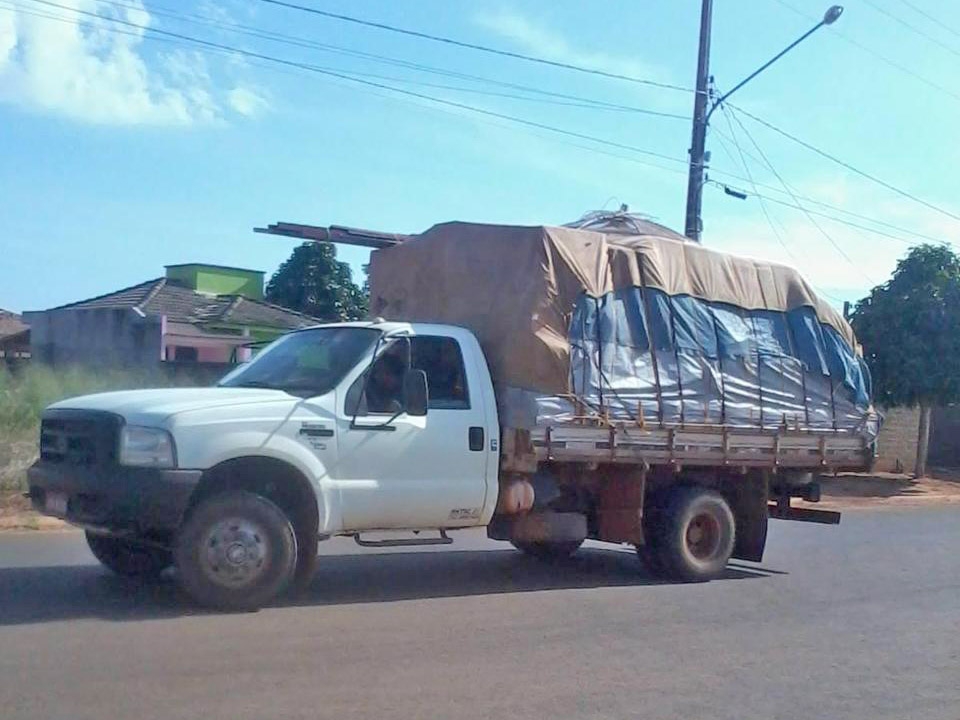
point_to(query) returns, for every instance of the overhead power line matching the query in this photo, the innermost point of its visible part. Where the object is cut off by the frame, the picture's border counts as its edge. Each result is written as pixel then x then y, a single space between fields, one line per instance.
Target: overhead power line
pixel 844 163
pixel 763 205
pixel 816 201
pixel 273 62
pixel 799 206
pixel 930 17
pixel 279 68
pixel 436 38
pixel 307 43
pixel 912 28
pixel 877 55
pixel 475 46
pixel 369 83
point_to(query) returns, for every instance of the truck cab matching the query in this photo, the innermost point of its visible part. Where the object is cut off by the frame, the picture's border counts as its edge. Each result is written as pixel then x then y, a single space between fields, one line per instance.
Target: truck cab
pixel 335 429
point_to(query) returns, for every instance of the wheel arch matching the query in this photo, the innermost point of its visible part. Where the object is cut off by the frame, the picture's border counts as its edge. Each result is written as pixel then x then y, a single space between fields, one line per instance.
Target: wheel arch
pixel 278 480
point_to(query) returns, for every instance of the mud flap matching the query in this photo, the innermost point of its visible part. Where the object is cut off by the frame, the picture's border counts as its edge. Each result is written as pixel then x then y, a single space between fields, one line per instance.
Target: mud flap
pixel 748 500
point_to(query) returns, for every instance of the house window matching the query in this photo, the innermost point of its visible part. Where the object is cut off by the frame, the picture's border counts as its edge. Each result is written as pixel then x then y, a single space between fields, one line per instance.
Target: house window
pixel 183 353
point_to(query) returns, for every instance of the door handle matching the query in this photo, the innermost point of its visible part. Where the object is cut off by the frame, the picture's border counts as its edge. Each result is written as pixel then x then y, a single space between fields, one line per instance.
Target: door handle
pixel 475 436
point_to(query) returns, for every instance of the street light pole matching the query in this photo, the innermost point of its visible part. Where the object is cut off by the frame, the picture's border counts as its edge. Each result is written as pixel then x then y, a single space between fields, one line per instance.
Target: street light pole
pixel 701 113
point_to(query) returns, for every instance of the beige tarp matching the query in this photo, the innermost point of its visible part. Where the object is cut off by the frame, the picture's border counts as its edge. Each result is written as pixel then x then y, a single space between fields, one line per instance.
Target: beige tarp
pixel 515 287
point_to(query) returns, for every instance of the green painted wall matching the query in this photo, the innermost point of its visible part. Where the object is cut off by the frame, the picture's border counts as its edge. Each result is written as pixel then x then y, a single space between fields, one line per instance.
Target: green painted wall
pixel 219 280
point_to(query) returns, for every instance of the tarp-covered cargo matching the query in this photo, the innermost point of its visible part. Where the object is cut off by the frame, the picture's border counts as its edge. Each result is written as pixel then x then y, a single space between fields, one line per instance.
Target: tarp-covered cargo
pixel 645 325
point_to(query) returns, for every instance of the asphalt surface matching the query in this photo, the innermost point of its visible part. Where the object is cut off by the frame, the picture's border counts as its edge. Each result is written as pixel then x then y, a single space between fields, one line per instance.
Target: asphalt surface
pixel 856 621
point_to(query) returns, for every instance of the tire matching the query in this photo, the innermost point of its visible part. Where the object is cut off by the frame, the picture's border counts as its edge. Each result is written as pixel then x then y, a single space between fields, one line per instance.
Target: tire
pixel 236 551
pixel 129 558
pixel 306 566
pixel 550 551
pixel 694 535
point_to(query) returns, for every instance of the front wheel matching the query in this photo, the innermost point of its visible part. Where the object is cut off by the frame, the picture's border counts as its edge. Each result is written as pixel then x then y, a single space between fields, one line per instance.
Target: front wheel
pixel 236 551
pixel 548 550
pixel 127 557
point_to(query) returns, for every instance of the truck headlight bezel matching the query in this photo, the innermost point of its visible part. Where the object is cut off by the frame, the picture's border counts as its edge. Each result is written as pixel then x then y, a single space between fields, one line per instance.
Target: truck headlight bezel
pixel 143 446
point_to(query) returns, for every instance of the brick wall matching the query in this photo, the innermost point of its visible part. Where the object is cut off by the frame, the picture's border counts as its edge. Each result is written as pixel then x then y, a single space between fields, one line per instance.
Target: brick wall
pixel 898 440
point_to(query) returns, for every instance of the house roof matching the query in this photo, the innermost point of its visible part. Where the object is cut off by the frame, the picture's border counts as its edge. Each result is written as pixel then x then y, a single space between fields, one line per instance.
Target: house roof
pixel 11 324
pixel 180 303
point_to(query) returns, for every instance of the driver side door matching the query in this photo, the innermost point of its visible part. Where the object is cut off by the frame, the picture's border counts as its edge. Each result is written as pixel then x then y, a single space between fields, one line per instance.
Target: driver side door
pixel 402 471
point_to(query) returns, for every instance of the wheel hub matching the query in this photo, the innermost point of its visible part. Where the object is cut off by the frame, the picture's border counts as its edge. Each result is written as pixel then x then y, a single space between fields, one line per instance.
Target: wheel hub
pixel 703 536
pixel 235 552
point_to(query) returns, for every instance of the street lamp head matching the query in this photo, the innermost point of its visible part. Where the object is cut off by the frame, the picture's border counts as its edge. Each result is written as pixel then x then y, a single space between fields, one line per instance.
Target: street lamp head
pixel 833 14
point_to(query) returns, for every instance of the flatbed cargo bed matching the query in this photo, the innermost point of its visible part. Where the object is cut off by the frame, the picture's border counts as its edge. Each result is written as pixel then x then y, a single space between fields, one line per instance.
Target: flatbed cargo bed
pixel 703 445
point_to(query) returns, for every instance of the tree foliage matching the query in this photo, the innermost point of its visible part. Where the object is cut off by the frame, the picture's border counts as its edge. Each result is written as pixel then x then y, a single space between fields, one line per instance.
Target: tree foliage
pixel 910 330
pixel 314 282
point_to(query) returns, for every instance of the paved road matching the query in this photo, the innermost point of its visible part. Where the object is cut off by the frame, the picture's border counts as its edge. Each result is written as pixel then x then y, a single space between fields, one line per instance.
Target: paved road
pixel 856 621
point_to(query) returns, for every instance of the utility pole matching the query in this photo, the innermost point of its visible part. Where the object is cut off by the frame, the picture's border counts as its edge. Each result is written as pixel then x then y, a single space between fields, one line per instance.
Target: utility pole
pixel 699 141
pixel 703 109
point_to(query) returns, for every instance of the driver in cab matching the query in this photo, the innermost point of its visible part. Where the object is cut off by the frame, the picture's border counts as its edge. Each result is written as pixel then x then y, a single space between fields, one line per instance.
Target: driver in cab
pixel 384 392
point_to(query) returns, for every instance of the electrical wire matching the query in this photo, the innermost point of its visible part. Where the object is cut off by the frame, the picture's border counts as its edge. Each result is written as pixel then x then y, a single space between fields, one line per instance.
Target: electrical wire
pixel 421 35
pixel 763 205
pixel 217 47
pixel 912 28
pixel 297 41
pixel 806 198
pixel 474 46
pixel 769 218
pixel 726 109
pixel 369 83
pixel 834 218
pixel 930 17
pixel 843 163
pixel 879 56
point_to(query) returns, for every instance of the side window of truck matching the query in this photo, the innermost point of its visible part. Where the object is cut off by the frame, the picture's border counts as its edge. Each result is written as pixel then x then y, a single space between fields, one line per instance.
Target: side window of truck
pixel 440 358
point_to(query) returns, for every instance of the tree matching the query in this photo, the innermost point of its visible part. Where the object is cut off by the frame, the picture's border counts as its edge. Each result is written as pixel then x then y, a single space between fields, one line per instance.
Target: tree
pixel 910 331
pixel 314 282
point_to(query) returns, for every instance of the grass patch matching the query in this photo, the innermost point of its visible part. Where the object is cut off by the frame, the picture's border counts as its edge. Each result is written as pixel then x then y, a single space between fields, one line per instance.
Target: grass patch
pixel 26 392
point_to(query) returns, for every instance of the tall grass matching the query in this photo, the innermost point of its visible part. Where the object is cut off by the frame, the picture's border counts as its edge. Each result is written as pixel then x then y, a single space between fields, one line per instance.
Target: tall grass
pixel 25 393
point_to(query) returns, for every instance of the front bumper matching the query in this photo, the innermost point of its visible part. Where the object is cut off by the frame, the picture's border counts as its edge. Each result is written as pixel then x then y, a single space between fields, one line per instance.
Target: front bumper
pixel 115 499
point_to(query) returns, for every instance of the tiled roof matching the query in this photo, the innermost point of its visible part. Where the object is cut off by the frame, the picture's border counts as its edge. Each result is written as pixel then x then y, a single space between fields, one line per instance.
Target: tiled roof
pixel 11 324
pixel 183 304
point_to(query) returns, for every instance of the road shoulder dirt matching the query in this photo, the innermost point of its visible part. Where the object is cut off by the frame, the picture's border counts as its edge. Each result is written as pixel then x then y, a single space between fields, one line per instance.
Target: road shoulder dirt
pixel 855 491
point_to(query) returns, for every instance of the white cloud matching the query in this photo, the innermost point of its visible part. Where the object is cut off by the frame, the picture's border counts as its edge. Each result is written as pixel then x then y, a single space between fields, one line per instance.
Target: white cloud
pixel 247 102
pixel 538 40
pixel 90 69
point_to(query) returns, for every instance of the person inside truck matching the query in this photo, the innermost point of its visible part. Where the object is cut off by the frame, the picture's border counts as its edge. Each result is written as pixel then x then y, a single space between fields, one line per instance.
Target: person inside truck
pixel 384 393
pixel 440 358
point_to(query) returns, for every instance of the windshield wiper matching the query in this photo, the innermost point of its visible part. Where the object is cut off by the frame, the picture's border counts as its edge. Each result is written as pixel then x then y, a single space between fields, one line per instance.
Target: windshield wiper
pixel 253 384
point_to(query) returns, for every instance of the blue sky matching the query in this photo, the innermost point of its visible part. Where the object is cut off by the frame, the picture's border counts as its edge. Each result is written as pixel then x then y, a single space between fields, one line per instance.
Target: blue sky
pixel 122 154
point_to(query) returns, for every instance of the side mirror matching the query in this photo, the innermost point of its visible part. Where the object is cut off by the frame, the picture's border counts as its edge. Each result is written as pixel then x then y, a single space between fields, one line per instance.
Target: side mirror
pixel 415 395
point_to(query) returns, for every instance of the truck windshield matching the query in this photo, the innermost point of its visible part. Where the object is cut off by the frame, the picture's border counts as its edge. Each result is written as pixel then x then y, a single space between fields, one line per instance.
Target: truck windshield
pixel 308 362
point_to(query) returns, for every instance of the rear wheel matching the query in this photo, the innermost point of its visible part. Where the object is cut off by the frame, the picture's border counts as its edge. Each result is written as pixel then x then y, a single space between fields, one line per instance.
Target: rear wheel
pixel 548 550
pixel 236 551
pixel 693 536
pixel 127 557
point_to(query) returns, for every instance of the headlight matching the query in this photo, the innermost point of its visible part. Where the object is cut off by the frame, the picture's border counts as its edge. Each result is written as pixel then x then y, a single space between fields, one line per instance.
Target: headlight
pixel 146 447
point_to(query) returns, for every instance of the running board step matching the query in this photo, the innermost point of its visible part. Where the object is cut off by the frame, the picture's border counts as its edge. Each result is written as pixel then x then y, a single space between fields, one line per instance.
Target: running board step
pixel 444 539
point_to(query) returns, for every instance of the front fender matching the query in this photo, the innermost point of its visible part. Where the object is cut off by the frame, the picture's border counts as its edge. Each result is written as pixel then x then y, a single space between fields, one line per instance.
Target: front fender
pixel 232 446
